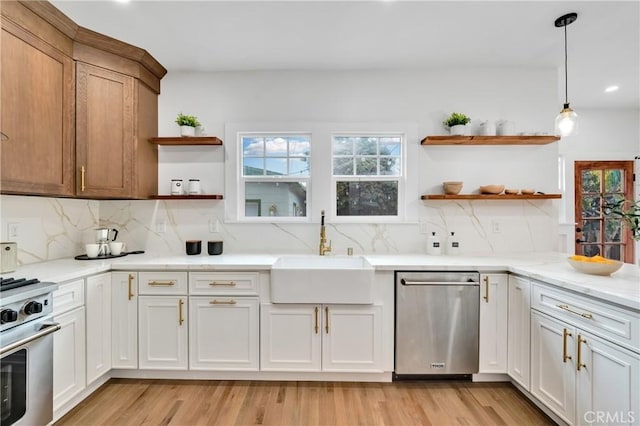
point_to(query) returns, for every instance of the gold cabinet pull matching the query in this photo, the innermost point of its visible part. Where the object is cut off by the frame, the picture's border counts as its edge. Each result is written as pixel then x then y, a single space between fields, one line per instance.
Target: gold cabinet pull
pixel 326 319
pixel 583 315
pixel 316 321
pixel 223 284
pixel 180 317
pixel 83 171
pixel 130 286
pixel 486 289
pixel 565 357
pixel 580 364
pixel 222 302
pixel 162 283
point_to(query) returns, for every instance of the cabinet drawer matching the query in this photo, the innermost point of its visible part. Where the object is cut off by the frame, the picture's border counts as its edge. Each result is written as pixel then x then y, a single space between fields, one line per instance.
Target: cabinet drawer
pixel 226 283
pixel 608 321
pixel 68 296
pixel 162 283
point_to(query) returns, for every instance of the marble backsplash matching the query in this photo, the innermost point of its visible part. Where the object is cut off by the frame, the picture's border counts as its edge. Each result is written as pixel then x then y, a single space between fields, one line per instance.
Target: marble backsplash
pixel 52 228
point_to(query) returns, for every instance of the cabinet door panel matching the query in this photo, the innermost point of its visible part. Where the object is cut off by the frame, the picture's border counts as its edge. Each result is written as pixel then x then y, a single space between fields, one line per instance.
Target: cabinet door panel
pixel 69 376
pixel 290 338
pixel 104 131
pixel 519 330
pixel 223 333
pixel 98 326
pixel 493 324
pixel 37 115
pixel 162 334
pixel 124 320
pixel 608 382
pixel 351 338
pixel 552 376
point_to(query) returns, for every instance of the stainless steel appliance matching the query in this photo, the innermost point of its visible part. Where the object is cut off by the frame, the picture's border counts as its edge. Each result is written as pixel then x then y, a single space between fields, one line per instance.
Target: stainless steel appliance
pixel 26 352
pixel 437 323
pixel 102 239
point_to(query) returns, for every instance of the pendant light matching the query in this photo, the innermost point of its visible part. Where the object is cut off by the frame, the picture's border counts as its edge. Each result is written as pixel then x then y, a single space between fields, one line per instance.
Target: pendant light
pixel 567 119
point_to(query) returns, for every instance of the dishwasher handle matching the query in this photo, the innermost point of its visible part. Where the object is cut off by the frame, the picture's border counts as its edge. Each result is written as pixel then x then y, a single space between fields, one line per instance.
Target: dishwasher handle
pixel 417 282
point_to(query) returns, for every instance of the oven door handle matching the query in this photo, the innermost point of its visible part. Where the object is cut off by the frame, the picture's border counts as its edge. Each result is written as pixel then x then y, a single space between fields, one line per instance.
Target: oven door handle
pixel 45 330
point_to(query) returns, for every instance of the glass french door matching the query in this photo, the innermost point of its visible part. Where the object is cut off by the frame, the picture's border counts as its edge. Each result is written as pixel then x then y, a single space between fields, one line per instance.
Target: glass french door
pixel 598 183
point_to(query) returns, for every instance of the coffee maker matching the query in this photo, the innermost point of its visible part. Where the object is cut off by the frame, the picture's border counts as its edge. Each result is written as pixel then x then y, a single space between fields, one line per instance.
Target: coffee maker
pixel 102 239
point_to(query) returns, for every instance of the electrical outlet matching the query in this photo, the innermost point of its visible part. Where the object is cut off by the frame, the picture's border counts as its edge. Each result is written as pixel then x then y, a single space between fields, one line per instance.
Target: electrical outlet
pixel 13 230
pixel 214 225
pixel 161 226
pixel 495 226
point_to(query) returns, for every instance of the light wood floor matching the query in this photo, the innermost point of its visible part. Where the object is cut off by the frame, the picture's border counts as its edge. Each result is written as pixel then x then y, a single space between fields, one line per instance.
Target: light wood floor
pixel 155 402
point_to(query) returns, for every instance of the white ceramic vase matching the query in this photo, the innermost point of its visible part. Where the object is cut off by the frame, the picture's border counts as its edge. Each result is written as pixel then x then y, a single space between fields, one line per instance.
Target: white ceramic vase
pixel 457 130
pixel 187 131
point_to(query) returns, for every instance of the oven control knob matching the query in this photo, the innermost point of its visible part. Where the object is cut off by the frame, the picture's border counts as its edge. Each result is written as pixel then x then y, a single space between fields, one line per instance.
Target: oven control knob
pixel 8 315
pixel 32 308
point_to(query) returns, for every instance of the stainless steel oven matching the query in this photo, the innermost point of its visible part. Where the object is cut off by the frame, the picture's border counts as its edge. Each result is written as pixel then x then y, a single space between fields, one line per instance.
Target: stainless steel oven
pixel 26 355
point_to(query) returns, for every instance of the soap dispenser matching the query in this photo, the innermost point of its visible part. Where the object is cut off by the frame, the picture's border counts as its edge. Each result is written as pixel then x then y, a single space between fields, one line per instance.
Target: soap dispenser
pixel 453 245
pixel 433 245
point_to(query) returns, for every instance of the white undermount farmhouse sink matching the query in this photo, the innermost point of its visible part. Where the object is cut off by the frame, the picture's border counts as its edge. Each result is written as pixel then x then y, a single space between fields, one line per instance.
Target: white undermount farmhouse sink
pixel 322 279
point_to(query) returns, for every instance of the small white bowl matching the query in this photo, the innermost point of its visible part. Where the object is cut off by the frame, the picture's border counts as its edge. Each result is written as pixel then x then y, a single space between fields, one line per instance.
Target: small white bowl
pixel 595 268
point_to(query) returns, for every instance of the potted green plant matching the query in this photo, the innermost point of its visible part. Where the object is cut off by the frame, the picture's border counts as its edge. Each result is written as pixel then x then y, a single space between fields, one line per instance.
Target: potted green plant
pixel 188 124
pixel 456 123
pixel 628 211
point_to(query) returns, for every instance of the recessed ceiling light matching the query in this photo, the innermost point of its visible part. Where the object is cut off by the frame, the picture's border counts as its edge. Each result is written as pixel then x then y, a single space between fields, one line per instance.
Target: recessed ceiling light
pixel 611 89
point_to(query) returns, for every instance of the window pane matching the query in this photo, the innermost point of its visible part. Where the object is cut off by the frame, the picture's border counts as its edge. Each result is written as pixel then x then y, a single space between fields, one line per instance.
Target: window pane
pixel 366 146
pixel 343 166
pixel 276 166
pixel 590 206
pixel 299 166
pixel 612 231
pixel 591 231
pixel 299 147
pixel 613 180
pixel 278 199
pixel 390 146
pixel 366 166
pixel 253 166
pixel 252 147
pixel 591 180
pixel 614 252
pixel 275 147
pixel 590 250
pixel 390 166
pixel 342 146
pixel 367 198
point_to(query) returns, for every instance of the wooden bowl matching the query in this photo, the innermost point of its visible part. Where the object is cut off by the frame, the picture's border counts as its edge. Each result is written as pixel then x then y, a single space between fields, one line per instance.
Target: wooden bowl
pixel 491 189
pixel 452 188
pixel 511 191
pixel 528 191
pixel 596 268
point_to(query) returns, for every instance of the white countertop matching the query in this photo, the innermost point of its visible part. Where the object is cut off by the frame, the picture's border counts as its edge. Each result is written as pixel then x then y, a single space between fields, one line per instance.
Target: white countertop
pixel 622 287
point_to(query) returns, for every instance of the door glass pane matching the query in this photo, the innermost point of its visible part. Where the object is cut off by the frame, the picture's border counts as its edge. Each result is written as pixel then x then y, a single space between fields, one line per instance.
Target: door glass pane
pixel 613 180
pixel 591 231
pixel 590 250
pixel 591 180
pixel 590 206
pixel 612 231
pixel 614 252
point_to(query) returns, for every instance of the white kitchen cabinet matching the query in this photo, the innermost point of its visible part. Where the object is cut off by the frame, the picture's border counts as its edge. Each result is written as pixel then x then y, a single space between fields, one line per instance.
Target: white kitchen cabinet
pixel 98 311
pixel 553 364
pixel 585 361
pixel 69 374
pixel 223 333
pixel 493 323
pixel 162 332
pixel 124 320
pixel 519 330
pixel 345 338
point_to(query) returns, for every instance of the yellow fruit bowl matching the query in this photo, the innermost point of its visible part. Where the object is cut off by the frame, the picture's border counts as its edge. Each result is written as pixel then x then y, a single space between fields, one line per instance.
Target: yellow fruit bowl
pixel 596 265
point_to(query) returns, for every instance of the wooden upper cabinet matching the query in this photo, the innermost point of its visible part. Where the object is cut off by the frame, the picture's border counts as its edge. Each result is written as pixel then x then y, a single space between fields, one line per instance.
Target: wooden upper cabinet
pixel 37 109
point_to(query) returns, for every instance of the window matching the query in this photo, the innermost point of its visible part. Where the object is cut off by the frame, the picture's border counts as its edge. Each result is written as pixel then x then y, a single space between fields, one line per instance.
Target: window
pixel 275 174
pixel 367 171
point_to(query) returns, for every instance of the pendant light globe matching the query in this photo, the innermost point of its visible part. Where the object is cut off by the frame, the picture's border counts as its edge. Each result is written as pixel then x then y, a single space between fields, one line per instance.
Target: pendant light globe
pixel 567 119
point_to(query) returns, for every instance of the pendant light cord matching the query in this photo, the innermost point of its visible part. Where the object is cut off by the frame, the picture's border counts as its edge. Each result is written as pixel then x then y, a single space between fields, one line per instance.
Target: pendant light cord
pixel 566 78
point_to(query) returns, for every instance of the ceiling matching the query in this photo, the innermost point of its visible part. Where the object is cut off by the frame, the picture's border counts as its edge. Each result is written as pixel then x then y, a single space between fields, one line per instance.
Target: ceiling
pixel 604 43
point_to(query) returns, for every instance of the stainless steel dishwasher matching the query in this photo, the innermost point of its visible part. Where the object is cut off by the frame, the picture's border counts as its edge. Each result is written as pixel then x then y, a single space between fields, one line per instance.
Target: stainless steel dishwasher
pixel 437 323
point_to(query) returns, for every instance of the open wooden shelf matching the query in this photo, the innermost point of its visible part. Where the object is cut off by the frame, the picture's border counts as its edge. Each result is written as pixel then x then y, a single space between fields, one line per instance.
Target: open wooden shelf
pixel 489 140
pixel 186 140
pixel 491 197
pixel 187 197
